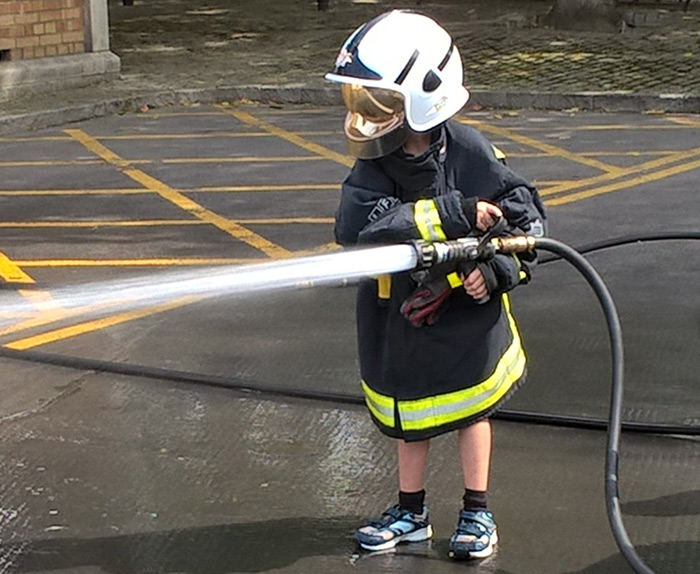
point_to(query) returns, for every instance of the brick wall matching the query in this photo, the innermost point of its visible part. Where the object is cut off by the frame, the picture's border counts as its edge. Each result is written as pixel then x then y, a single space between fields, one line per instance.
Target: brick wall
pixel 40 28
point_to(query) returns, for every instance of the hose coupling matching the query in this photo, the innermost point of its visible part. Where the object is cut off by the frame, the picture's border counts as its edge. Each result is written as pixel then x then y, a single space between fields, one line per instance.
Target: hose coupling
pixel 517 244
pixel 430 254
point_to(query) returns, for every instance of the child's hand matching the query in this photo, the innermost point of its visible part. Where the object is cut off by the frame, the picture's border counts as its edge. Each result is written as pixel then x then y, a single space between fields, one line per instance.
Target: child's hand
pixel 486 215
pixel 475 284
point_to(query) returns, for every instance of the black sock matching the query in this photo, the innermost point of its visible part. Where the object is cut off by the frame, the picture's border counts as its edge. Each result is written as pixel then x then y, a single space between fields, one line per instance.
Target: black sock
pixel 412 501
pixel 475 500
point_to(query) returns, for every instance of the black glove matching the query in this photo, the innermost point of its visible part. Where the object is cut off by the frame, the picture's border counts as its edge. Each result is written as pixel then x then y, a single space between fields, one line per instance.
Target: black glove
pixel 427 302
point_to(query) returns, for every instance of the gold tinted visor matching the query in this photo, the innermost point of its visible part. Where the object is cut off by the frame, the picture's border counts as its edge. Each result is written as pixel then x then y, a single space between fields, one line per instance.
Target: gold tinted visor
pixel 375 123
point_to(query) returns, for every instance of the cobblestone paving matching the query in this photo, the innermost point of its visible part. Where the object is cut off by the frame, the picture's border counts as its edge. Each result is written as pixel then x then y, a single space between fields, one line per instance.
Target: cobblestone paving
pixel 504 44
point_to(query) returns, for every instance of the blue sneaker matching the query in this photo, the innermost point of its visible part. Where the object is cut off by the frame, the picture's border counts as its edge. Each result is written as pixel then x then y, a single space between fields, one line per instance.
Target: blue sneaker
pixel 394 526
pixel 475 536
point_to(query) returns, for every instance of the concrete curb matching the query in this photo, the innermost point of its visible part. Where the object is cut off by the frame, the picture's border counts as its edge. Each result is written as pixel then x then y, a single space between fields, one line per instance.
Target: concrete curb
pixel 58 73
pixel 329 96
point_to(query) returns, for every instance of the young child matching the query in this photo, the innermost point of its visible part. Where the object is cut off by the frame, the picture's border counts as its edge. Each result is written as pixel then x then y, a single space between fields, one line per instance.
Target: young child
pixel 439 350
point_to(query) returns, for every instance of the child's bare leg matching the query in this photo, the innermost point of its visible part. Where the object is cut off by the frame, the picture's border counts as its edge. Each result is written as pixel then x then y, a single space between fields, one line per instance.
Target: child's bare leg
pixel 413 460
pixel 475 454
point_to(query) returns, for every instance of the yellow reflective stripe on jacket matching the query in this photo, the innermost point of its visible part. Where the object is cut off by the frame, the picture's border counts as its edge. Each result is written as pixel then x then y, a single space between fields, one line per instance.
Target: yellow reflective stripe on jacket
pixel 454 280
pixel 380 406
pixel 443 409
pixel 498 153
pixel 522 275
pixel 427 219
pixel 384 286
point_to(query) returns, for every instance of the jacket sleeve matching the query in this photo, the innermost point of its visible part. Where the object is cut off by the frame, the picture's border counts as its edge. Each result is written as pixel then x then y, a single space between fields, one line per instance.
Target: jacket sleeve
pixel 524 212
pixel 370 212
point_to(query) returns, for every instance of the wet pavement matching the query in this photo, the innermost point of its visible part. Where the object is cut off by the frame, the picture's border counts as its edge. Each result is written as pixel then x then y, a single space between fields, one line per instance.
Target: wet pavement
pixel 123 474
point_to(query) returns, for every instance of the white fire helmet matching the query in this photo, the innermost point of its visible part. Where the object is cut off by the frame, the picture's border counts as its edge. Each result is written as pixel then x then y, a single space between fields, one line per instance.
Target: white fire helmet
pixel 399 71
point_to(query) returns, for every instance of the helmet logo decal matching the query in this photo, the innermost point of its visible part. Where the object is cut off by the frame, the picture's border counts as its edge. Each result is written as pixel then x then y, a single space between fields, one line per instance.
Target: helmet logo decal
pixel 441 103
pixel 343 59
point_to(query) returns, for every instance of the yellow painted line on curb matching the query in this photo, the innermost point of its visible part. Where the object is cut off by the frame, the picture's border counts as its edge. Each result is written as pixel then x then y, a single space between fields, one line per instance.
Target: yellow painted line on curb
pixel 629 171
pixel 95 325
pixel 291 137
pixel 548 148
pixel 653 176
pixel 177 198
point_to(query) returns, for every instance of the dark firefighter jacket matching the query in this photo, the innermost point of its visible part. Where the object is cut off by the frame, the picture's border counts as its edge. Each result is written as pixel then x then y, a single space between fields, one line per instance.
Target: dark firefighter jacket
pixel 423 381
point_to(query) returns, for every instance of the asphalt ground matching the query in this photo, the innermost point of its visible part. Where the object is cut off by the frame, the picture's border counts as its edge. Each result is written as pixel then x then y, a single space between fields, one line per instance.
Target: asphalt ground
pixel 108 473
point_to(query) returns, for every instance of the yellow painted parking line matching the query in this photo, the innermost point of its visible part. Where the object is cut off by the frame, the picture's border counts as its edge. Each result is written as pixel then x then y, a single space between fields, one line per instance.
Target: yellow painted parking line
pixel 553 150
pixel 95 325
pixel 152 222
pixel 286 220
pixel 49 316
pixel 243 159
pixel 39 192
pixel 604 153
pixel 293 112
pixel 625 172
pixel 152 262
pixel 549 182
pixel 208 135
pixel 648 178
pixel 600 127
pixel 291 137
pixel 60 163
pixel 281 187
pixel 12 272
pixel 141 190
pixel 99 223
pixel 178 199
pixel 684 122
pixel 629 153
pixel 193 114
pixel 41 299
pixel 162 136
pixel 10 139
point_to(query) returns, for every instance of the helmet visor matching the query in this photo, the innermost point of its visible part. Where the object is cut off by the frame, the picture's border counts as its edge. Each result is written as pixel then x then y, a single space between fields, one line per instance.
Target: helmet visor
pixel 375 123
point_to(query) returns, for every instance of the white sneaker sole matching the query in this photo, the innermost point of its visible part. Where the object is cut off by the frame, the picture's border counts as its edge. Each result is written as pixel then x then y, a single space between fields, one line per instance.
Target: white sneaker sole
pixel 415 536
pixel 485 553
